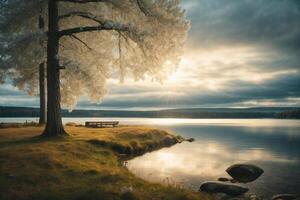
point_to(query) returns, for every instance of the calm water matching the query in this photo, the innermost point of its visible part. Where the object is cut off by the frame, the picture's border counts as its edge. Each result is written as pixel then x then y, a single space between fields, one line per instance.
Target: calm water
pixel 271 144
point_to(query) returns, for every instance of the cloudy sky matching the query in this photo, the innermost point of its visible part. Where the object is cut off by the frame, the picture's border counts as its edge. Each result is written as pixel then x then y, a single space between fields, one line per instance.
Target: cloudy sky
pixel 239 54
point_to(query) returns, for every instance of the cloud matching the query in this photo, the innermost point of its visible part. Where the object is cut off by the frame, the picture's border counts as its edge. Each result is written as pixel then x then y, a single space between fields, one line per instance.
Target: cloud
pixel 239 53
pixel 11 96
pixel 284 90
pixel 229 22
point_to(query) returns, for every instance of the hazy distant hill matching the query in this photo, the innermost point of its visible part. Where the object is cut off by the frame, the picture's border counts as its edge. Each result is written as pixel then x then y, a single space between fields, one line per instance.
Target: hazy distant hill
pixel 292 114
pixel 258 112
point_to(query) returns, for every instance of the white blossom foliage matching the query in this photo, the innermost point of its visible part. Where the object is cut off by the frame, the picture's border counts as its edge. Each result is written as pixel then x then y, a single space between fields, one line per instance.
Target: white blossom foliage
pixel 135 39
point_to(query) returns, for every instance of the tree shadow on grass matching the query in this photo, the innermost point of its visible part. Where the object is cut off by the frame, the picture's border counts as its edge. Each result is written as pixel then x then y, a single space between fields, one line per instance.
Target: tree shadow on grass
pixel 31 140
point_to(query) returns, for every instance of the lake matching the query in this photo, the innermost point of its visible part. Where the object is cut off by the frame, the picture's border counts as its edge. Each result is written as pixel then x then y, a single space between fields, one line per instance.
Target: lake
pixel 272 144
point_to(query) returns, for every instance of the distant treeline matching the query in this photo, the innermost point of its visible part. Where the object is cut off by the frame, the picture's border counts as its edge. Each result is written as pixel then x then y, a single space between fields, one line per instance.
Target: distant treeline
pixel 261 112
pixel 293 114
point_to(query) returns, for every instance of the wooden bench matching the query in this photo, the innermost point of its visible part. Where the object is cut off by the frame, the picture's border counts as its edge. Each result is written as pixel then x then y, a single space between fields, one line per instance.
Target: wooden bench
pixel 101 124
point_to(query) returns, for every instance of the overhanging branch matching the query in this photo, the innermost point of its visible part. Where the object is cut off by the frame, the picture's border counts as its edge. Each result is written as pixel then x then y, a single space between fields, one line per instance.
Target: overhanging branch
pixel 81 30
pixel 142 8
pixel 77 38
pixel 139 4
pixel 107 26
pixel 85 15
pixel 83 1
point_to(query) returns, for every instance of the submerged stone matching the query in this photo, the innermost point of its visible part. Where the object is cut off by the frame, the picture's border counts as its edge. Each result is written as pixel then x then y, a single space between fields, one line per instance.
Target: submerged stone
pixel 244 173
pixel 191 140
pixel 222 179
pixel 226 188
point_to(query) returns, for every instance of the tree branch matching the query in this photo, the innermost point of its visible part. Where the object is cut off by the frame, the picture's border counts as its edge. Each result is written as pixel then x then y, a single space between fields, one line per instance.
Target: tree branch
pixel 120 50
pixel 83 1
pixel 142 8
pixel 139 4
pixel 85 44
pixel 85 15
pixel 128 43
pixel 80 30
pixel 108 26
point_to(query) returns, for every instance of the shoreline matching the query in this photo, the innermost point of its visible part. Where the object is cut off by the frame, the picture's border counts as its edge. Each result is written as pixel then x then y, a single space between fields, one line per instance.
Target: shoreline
pixel 83 166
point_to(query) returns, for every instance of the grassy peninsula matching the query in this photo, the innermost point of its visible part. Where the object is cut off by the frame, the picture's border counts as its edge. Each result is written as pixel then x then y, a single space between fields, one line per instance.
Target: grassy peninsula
pixel 84 165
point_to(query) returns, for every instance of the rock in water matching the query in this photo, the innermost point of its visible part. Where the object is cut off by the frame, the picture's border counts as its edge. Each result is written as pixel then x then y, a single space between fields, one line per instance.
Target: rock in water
pixel 285 197
pixel 233 181
pixel 190 139
pixel 219 187
pixel 222 179
pixel 244 173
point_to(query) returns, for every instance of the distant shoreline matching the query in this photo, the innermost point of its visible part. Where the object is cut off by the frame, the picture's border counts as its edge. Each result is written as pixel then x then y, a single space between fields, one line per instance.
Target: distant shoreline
pixel 194 113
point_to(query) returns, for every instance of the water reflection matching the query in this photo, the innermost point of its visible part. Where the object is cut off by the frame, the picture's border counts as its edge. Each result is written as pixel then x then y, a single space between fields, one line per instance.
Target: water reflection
pixel 199 159
pixel 276 150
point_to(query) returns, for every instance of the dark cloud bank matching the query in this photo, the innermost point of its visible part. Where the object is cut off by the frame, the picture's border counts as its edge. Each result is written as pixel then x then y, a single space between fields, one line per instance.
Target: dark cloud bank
pixel 229 22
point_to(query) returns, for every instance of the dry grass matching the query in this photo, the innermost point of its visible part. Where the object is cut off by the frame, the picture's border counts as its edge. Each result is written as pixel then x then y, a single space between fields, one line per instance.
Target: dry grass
pixel 83 166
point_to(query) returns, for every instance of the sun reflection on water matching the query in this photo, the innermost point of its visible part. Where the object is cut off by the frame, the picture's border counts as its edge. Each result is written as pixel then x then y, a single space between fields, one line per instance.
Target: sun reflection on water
pixel 209 159
pixel 218 146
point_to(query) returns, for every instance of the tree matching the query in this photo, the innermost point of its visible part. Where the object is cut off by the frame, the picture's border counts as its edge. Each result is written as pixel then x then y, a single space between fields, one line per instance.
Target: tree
pixel 42 92
pixel 42 88
pixel 17 43
pixel 90 41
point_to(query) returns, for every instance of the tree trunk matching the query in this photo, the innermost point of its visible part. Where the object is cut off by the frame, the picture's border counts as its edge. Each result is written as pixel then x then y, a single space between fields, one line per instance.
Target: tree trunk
pixel 54 126
pixel 42 120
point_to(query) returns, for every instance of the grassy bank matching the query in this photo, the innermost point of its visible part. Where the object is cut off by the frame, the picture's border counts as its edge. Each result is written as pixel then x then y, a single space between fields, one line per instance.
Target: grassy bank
pixel 83 166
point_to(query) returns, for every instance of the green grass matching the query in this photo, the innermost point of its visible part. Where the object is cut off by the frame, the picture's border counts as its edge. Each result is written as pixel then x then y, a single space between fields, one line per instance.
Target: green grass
pixel 82 166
